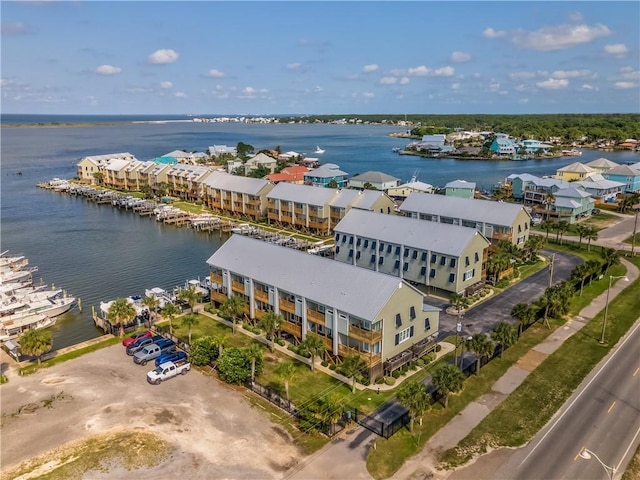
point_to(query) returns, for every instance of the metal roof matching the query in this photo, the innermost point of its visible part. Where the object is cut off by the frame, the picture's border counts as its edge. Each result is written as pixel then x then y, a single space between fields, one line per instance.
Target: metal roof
pixel 601 163
pixel 327 170
pixel 291 192
pixel 354 290
pixel 461 184
pixel 576 167
pixel 234 183
pixel 410 232
pixel 487 211
pixel 374 177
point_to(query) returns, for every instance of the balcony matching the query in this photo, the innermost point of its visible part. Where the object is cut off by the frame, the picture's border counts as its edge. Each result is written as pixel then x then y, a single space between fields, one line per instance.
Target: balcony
pixel 237 287
pixel 315 316
pixel 253 201
pixel 261 295
pixel 424 346
pixel 299 210
pixel 215 203
pixel 216 278
pixel 501 236
pixel 286 218
pixel 286 305
pixel 319 225
pixel 292 328
pixel 368 336
pixel 273 216
pixel 398 361
pixel 371 358
pixel 218 296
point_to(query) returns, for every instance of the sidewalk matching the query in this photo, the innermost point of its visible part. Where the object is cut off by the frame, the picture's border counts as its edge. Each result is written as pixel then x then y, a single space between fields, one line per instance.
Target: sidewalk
pixel 423 464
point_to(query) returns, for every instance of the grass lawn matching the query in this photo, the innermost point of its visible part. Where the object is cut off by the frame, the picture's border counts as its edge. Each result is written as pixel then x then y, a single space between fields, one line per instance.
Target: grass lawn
pixel 630 240
pixel 599 221
pixel 573 248
pixel 530 406
pixel 633 469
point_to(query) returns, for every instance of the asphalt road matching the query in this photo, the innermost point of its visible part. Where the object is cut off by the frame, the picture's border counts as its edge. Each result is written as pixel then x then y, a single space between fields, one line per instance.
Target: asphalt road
pixel 603 416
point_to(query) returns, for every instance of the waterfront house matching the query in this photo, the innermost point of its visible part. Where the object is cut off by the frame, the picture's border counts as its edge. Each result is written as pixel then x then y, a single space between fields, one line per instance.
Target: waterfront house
pixel 601 189
pixel 235 195
pixel 325 175
pixel 181 156
pixel 443 258
pixel 574 172
pixel 132 174
pixel 495 220
pixel 292 174
pixel 88 166
pixel 356 311
pixel 377 180
pixel 217 150
pixel 570 204
pixel 503 145
pixel 186 181
pixel 601 165
pixel 532 189
pixel 626 174
pixel 114 174
pixel 403 191
pixel 260 160
pixel 534 146
pixel 460 188
pixel 155 175
pixel 301 207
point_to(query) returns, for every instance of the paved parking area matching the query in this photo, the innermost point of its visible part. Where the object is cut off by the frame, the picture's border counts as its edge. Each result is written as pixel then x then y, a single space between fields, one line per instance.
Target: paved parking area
pixel 214 431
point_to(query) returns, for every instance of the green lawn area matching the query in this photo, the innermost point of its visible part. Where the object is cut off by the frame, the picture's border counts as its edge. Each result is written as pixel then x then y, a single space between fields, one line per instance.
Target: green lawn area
pixel 530 406
pixel 599 221
pixel 630 240
pixel 633 469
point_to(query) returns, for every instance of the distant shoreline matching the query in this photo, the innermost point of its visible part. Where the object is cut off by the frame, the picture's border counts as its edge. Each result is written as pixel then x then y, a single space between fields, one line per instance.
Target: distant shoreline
pixel 87 124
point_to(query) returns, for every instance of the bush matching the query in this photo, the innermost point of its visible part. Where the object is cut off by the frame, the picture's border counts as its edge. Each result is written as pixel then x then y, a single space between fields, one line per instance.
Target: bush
pixel 162 328
pixel 332 367
pixel 396 374
pixel 203 351
pixel 324 363
pixel 502 283
pixel 292 347
pixel 365 381
pixel 234 367
pixel 420 363
pixel 280 342
pixel 390 380
pixel 380 380
pixel 438 348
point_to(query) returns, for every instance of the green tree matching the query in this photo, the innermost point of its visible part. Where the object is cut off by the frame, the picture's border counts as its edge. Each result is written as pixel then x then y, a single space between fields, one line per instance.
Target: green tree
pixel 243 150
pixel 414 397
pixel 580 230
pixel 505 334
pixel 287 372
pixel 590 233
pixel 234 366
pixel 498 263
pixel 202 351
pixel 547 226
pixel 524 313
pixel 481 346
pixel 448 379
pixel 36 342
pixel 332 184
pixel 152 304
pixel 98 177
pixel 532 246
pixel 353 366
pixel 314 344
pixel 610 257
pixel 561 228
pixel 120 312
pixel 549 200
pixel 233 307
pixel 254 354
pixel 170 311
pixel 270 323
pixel 219 339
pixel 190 321
pixel 191 295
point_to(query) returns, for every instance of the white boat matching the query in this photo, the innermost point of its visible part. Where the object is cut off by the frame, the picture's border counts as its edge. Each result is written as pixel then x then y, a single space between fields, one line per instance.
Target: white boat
pixel 318 151
pixel 12 328
pixel 241 228
pixel 571 153
pixel 134 300
pixel 161 295
pixel 8 275
pixel 15 262
pixel 49 306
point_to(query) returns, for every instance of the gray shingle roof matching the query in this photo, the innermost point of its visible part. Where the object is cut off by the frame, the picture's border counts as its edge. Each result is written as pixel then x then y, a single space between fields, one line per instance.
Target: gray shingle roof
pixel 410 232
pixel 496 213
pixel 326 171
pixel 291 192
pixel 351 289
pixel 235 183
pixel 374 177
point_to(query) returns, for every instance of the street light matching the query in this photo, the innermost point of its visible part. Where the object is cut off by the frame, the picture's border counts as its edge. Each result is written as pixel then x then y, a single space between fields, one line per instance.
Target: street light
pixel 458 330
pixel 606 305
pixel 587 454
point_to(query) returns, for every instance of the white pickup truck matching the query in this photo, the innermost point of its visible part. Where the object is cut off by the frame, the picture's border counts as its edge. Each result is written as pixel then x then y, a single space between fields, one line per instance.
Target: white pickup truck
pixel 168 370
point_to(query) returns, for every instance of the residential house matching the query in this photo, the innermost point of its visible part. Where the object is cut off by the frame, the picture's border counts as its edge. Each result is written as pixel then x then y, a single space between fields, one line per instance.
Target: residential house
pixel 460 188
pixel 186 181
pixel 377 180
pixel 601 189
pixel 626 174
pixel 88 166
pixel 534 146
pixel 155 175
pixel 403 191
pixel 217 150
pixel 181 156
pixel 574 172
pixel 443 258
pixel 356 311
pixel 532 189
pixel 495 220
pixel 601 165
pixel 503 145
pixel 235 195
pixel 292 174
pixel 132 174
pixel 260 160
pixel 571 204
pixel 325 175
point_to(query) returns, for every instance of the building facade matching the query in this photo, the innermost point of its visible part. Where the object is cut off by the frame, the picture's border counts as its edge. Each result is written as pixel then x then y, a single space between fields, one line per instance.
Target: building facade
pixel 237 196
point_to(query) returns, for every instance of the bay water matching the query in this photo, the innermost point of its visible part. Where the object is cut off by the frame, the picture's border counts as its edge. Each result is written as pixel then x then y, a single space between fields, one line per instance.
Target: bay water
pixel 98 253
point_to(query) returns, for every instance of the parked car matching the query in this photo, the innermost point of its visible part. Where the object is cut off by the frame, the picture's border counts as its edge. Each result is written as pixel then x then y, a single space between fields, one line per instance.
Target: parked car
pixel 154 350
pixel 132 338
pixel 595 211
pixel 171 357
pixel 168 370
pixel 142 342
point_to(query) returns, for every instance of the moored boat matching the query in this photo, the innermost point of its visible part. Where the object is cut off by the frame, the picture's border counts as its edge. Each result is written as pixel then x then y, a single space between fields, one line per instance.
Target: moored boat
pixel 571 153
pixel 12 328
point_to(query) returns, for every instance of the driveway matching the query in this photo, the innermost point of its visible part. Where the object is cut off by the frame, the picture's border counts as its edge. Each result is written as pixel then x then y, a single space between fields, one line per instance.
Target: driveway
pixel 212 431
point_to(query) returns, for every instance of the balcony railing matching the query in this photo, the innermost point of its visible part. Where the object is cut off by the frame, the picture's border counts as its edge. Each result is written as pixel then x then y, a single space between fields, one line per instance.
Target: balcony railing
pixel 261 295
pixel 501 236
pixel 398 361
pixel 287 306
pixel 315 316
pixel 299 210
pixel 216 278
pixel 218 296
pixel 292 328
pixel 237 286
pixel 286 218
pixel 369 336
pixel 371 358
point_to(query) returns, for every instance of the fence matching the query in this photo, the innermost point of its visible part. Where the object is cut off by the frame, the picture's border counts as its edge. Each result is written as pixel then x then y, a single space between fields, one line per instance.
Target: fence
pixel 380 427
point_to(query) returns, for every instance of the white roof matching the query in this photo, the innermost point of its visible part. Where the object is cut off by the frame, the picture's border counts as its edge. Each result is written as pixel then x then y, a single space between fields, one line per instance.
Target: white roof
pixel 461 184
pixel 416 185
pixel 602 163
pixel 325 171
pixel 291 192
pixel 487 211
pixel 178 154
pixel 410 232
pixel 576 167
pixel 109 156
pixel 374 177
pixel 328 282
pixel 116 164
pixel 261 159
pixel 234 183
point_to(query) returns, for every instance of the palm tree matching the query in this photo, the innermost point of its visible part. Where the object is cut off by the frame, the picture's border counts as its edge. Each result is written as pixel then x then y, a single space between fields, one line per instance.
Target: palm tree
pixel 561 228
pixel 498 263
pixel 170 311
pixel 270 323
pixel 414 397
pixel 533 245
pixel 547 226
pixel 219 340
pixel 610 257
pixel 120 312
pixel 352 366
pixel 524 313
pixel 233 306
pixel 253 353
pixel 286 371
pixel 152 304
pixel 448 379
pixel 590 233
pixel 549 199
pixel 36 341
pixel 505 334
pixel 580 230
pixel 191 296
pixel 584 271
pixel 459 301
pixel 314 344
pixel 329 410
pixel 190 321
pixel 480 345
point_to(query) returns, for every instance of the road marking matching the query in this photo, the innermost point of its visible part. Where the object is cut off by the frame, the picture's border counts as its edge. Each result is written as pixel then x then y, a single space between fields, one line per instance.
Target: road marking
pixel 636 372
pixel 628 448
pixel 578 454
pixel 612 354
pixel 611 407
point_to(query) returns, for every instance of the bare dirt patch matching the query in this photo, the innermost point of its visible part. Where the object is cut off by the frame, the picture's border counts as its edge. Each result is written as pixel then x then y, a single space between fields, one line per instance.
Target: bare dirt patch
pixel 530 360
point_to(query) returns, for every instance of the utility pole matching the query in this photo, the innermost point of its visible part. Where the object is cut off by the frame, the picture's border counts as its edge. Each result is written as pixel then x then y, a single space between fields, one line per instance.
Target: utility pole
pixel 553 259
pixel 635 229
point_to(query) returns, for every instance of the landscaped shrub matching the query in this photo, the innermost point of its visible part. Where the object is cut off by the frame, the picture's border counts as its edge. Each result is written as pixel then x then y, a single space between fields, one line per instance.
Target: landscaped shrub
pixel 292 347
pixel 438 348
pixel 203 350
pixel 162 328
pixel 396 374
pixel 404 369
pixel 234 367
pixel 390 380
pixel 380 380
pixel 324 363
pixel 280 342
pixel 419 363
pixel 332 367
pixel 502 283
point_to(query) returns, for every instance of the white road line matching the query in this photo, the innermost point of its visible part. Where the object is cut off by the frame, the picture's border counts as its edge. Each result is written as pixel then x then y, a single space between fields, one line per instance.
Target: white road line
pixel 628 448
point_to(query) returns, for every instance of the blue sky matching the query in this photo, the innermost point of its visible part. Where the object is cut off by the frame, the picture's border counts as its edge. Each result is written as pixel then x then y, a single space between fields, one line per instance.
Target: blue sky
pixel 319 57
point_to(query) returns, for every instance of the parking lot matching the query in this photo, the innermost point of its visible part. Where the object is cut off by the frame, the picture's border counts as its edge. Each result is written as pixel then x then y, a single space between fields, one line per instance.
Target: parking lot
pixel 212 430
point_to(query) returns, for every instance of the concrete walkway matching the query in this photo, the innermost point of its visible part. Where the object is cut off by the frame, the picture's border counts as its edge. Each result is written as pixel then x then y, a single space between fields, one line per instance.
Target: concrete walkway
pixel 423 464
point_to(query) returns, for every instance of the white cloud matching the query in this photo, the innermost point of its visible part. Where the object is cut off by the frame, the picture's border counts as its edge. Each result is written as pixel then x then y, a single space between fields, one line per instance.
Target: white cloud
pixel 627 69
pixel 629 74
pixel 293 66
pixel 368 95
pixel 444 72
pixel 318 89
pixel 166 84
pixel 491 33
pixel 455 86
pixel 576 17
pixel 388 80
pixel 423 71
pixel 180 95
pixel 370 68
pixel 215 73
pixel 625 85
pixel 571 73
pixel 586 87
pixel 553 84
pixel 460 57
pixel 522 88
pixel 558 37
pixel 16 28
pixel 107 70
pixel 404 81
pixel 521 75
pixel 494 86
pixel 523 100
pixel 163 56
pixel 617 49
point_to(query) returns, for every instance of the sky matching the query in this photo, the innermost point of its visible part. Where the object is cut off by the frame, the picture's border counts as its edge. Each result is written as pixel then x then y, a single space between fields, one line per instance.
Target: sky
pixel 273 58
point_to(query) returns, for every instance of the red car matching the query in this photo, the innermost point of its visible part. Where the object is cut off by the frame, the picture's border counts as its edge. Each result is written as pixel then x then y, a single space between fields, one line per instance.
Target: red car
pixel 136 336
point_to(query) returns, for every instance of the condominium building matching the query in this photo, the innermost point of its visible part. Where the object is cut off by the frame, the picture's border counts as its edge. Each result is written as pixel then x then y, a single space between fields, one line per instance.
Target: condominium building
pixel 235 195
pixel 444 258
pixel 90 165
pixel 356 311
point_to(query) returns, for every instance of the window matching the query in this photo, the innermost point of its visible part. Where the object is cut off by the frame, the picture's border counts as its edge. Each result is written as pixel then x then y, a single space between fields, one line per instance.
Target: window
pixel 466 261
pixel 381 246
pixel 424 256
pixel 406 252
pixel 337 237
pixel 433 258
pixel 350 240
pixel 337 249
pixel 443 260
pixel 452 263
pixel 366 243
pixel 358 255
pixel 389 248
pixel 397 264
pixel 398 320
pixel 398 250
pixel 468 274
pixel 358 242
pixel 427 324
pixel 519 228
pixel 404 335
pixel 412 312
pixel 452 277
pixel 373 258
pixel 432 273
pixel 373 245
pixel 476 257
pixel 415 254
pixel 423 270
pixel 344 238
pixel 405 267
pixel 380 260
pixel 350 253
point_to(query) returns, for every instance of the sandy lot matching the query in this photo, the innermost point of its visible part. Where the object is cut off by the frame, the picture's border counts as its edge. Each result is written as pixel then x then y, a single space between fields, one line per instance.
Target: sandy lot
pixel 214 432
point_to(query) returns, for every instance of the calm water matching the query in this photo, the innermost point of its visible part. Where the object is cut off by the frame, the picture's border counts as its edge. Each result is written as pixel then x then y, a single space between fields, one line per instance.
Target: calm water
pixel 98 253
